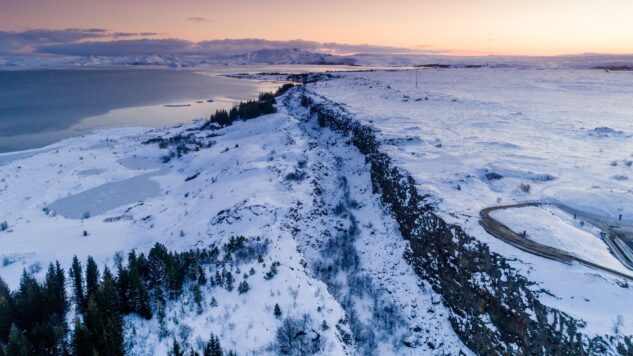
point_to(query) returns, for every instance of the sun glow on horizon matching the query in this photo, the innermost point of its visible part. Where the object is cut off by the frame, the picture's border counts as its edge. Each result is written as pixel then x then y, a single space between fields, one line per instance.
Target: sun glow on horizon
pixel 480 27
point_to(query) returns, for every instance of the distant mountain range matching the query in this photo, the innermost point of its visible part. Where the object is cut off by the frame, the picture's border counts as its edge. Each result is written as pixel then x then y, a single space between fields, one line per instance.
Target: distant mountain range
pixel 301 56
pixel 261 56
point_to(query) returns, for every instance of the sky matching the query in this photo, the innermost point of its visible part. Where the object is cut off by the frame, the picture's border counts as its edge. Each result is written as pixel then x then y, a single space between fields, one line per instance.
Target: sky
pixel 464 27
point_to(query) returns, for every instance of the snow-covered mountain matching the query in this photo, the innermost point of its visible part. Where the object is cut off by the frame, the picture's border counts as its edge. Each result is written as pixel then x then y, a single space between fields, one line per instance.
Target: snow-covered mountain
pixel 261 56
pixel 301 56
pixel 288 56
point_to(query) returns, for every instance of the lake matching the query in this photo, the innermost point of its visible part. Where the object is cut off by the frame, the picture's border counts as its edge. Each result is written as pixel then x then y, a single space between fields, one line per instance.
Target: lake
pixel 41 106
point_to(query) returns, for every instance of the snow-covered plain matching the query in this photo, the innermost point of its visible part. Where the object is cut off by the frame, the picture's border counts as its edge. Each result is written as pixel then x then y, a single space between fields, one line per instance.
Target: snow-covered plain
pixel 476 137
pixel 553 227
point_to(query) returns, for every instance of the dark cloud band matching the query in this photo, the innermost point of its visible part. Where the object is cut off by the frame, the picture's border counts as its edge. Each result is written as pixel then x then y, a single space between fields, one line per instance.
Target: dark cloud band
pixel 101 42
pixel 16 41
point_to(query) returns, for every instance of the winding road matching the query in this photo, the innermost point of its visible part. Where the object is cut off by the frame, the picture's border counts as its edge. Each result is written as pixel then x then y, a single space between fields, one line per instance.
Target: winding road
pixel 504 233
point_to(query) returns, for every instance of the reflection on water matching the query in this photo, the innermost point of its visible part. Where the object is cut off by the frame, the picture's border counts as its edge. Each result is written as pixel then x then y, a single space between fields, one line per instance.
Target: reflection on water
pixel 39 107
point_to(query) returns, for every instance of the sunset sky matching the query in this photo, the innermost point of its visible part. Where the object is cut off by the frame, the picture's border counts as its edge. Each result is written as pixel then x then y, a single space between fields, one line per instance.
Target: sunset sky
pixel 538 27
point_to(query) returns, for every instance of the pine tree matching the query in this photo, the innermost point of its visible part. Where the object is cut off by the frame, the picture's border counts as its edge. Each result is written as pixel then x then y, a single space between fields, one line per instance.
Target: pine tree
pixel 104 329
pixel 277 311
pixel 138 297
pixel 228 278
pixel 176 350
pixel 273 271
pixel 18 344
pixel 202 277
pixel 158 259
pixel 243 287
pixel 76 276
pixel 123 283
pixel 29 303
pixel 92 277
pixel 55 283
pixel 141 301
pixel 108 294
pixel 214 303
pixel 218 278
pixel 6 310
pixel 197 298
pixel 46 337
pixel 159 302
pixel 213 347
pixel 81 343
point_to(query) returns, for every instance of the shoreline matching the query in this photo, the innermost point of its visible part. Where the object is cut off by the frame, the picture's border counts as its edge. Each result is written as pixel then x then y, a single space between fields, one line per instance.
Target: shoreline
pixel 225 85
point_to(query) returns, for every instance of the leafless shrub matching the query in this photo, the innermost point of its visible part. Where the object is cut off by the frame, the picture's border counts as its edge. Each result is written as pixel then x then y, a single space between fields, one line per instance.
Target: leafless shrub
pixel 525 188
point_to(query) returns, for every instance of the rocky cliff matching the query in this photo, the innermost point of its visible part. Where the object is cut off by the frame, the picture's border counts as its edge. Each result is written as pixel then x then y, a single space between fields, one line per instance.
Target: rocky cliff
pixel 495 309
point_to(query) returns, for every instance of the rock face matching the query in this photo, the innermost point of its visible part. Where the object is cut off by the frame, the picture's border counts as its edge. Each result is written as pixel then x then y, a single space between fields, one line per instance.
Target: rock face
pixel 493 309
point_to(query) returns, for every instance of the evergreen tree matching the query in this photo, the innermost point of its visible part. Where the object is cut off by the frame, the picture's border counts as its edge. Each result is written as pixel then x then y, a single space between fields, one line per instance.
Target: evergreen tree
pixel 158 260
pixel 55 282
pixel 140 298
pixel 243 287
pixel 33 318
pixel 197 298
pixel 81 343
pixel 213 347
pixel 159 302
pixel 228 279
pixel 101 331
pixel 92 277
pixel 104 329
pixel 29 303
pixel 277 311
pixel 132 285
pixel 18 345
pixel 76 276
pixel 273 271
pixel 176 350
pixel 6 310
pixel 108 294
pixel 202 278
pixel 47 338
pixel 123 283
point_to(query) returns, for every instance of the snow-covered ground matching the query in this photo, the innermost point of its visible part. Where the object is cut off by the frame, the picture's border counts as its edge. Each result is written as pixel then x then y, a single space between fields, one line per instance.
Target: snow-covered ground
pixel 476 137
pixel 273 177
pixel 553 227
pixel 117 190
pixel 471 138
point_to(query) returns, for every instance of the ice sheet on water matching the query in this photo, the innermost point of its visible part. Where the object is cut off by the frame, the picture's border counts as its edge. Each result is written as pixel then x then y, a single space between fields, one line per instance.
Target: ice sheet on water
pixel 106 197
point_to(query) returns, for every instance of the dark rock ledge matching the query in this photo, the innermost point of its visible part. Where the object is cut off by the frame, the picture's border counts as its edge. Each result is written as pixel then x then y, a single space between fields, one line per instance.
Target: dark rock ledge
pixel 493 309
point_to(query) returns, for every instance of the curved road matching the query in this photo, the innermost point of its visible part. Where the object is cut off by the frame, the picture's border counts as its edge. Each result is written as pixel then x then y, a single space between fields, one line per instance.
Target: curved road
pixel 504 233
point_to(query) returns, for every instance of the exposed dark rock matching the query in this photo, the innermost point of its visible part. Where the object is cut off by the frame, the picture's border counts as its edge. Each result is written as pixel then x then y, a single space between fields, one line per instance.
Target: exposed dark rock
pixel 493 176
pixel 493 308
pixel 192 177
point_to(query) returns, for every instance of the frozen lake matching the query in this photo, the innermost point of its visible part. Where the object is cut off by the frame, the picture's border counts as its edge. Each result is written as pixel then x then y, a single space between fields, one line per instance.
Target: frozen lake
pixel 39 107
